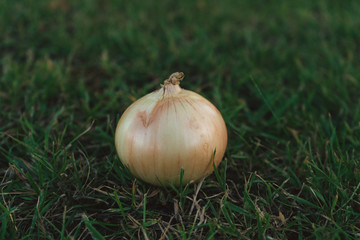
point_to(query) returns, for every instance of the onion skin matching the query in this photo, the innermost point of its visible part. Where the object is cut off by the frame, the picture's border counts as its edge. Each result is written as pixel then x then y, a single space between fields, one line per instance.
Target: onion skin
pixel 170 129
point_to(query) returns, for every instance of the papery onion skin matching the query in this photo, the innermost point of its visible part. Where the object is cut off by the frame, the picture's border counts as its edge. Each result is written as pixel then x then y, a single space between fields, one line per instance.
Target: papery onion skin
pixel 168 130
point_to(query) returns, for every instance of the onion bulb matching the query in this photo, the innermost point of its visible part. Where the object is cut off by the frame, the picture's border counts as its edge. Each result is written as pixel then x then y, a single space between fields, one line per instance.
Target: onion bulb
pixel 168 130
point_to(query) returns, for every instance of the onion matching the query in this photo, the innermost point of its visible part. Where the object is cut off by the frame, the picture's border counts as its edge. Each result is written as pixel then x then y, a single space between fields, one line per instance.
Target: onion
pixel 168 130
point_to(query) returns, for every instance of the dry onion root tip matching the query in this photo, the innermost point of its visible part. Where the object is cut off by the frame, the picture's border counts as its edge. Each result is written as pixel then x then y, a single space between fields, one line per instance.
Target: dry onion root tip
pixel 175 78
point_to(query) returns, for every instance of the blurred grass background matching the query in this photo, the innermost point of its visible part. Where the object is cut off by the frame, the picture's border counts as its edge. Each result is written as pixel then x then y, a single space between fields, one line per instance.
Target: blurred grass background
pixel 284 74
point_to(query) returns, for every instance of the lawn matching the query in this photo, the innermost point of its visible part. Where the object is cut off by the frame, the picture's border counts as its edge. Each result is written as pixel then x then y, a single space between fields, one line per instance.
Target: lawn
pixel 284 74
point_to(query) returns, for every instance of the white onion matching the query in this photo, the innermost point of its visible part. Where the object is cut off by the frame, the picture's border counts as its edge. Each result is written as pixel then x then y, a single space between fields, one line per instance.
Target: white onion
pixel 168 130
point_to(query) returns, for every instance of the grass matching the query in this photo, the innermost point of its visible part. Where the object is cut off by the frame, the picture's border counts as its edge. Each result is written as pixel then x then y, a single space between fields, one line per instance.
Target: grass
pixel 284 74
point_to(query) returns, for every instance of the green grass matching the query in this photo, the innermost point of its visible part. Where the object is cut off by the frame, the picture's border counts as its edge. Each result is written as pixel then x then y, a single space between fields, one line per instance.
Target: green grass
pixel 284 74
